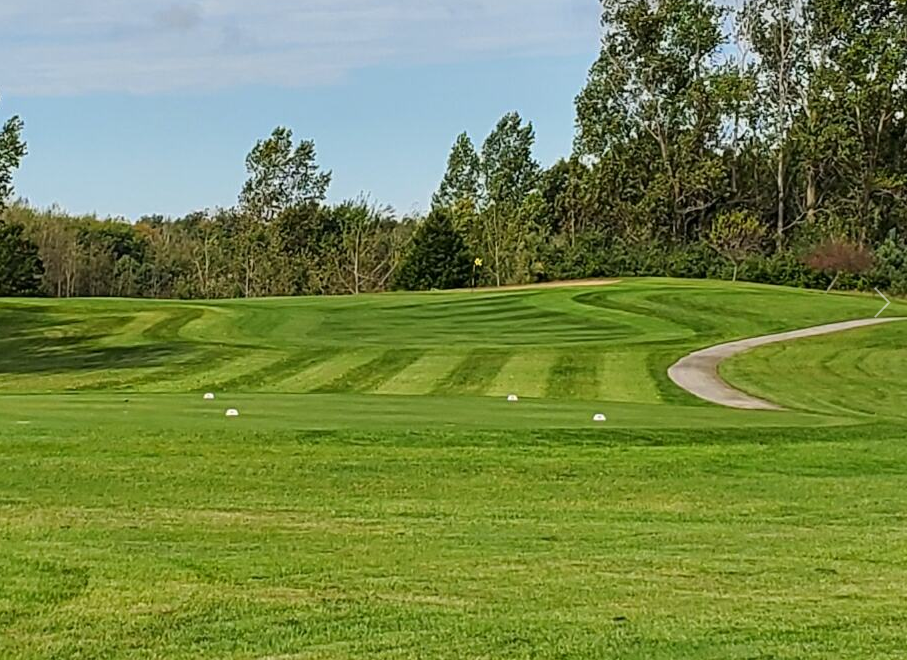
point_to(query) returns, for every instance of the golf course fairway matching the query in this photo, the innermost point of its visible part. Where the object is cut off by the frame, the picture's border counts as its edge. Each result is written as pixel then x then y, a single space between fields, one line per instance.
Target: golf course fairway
pixel 378 496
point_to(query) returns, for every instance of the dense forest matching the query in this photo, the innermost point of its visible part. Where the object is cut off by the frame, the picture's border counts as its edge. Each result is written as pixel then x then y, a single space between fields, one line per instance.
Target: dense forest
pixel 766 142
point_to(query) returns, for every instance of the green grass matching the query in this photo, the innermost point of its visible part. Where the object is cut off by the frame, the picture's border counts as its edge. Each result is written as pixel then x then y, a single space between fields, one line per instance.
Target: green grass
pixel 861 373
pixel 379 497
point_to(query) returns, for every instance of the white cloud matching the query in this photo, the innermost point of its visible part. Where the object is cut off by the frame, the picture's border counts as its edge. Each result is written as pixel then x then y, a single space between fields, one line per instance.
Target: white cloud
pixel 147 46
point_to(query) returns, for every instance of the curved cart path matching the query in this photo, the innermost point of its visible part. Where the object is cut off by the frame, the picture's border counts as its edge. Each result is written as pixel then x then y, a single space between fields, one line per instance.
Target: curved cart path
pixel 697 373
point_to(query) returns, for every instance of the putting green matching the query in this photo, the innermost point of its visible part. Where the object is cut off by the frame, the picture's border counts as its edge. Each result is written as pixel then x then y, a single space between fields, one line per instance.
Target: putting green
pixel 379 497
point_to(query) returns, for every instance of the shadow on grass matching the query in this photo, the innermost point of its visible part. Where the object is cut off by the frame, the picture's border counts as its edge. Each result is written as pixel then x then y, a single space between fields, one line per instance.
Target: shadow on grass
pixel 34 340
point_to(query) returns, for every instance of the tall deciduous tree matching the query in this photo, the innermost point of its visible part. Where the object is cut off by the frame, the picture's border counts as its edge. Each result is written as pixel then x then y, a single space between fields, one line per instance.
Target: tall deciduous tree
pixel 779 34
pixel 509 172
pixel 460 184
pixel 862 87
pixel 12 151
pixel 655 81
pixel 282 175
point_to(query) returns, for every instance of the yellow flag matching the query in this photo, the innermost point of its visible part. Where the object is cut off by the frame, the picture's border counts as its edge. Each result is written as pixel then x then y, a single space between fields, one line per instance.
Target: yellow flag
pixel 478 262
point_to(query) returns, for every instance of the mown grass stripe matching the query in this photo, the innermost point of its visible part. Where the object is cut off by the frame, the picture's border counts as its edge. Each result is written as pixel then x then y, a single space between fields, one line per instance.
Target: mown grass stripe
pixel 623 377
pixel 170 326
pixel 373 374
pixel 475 373
pixel 325 371
pixel 422 376
pixel 575 375
pixel 525 374
pixel 278 370
pixel 244 363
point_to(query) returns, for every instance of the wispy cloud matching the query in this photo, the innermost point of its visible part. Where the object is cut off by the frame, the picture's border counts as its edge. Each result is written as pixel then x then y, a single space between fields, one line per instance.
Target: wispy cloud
pixel 179 17
pixel 146 46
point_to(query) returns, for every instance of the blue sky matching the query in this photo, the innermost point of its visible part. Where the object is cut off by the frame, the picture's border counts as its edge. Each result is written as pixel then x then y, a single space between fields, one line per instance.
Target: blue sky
pixel 138 106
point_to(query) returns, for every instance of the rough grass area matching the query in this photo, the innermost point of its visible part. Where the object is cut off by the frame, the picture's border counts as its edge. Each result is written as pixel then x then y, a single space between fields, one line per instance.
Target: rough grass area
pixel 379 497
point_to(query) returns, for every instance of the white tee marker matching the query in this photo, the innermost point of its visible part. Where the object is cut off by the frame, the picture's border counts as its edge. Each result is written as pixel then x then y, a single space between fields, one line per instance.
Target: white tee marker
pixel 513 398
pixel 599 418
pixel 209 396
pixel 233 412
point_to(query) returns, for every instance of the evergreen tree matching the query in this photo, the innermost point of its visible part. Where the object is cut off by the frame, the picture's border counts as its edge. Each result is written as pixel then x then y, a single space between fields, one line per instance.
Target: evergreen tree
pixel 437 258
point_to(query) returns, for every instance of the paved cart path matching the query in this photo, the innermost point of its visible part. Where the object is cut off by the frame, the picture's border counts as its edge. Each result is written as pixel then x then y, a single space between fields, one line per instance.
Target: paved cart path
pixel 697 373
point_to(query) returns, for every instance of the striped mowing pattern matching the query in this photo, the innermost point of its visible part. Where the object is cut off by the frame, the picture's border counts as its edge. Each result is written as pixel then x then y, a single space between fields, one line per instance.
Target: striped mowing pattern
pixel 611 343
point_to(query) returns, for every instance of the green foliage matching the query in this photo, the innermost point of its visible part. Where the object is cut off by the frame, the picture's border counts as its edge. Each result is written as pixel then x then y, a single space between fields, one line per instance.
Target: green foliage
pixel 509 171
pixel 437 258
pixel 362 250
pixel 891 265
pixel 282 176
pixel 460 185
pixel 20 266
pixel 735 235
pixel 699 129
pixel 12 151
pixel 654 97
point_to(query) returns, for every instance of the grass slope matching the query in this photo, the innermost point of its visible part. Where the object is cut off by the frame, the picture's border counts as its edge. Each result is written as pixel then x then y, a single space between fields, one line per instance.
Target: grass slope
pixel 379 497
pixel 611 343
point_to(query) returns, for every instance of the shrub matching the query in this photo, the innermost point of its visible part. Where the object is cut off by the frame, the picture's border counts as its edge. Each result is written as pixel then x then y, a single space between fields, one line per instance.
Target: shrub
pixel 836 256
pixel 735 235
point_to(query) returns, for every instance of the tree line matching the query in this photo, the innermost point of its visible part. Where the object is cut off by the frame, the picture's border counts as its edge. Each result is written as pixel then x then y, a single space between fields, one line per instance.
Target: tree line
pixel 765 142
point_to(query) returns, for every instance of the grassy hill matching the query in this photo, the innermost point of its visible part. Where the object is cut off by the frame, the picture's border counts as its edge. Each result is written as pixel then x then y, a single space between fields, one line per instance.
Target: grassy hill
pixel 611 343
pixel 379 496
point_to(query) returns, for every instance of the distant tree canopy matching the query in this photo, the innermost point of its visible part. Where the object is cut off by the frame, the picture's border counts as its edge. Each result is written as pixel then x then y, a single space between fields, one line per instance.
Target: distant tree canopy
pixel 773 134
pixel 20 266
pixel 21 270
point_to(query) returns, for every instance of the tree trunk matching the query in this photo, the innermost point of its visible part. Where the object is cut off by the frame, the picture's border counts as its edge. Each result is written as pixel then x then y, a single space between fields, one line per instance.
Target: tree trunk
pixel 675 184
pixel 811 195
pixel 356 266
pixel 782 194
pixel 572 228
pixel 249 266
pixel 783 72
pixel 497 249
pixel 206 281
